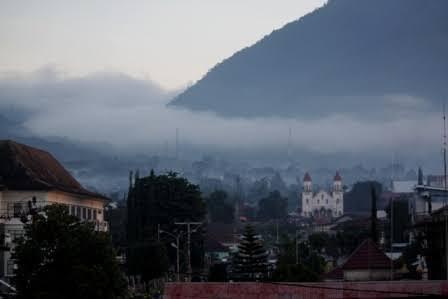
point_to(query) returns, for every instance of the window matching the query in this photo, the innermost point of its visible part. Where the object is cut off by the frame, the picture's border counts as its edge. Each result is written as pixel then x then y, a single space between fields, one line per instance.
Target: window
pixel 10 266
pixel 337 200
pixel 84 213
pixel 89 214
pixel 94 214
pixel 78 212
pixel 307 201
pixel 72 210
pixel 17 209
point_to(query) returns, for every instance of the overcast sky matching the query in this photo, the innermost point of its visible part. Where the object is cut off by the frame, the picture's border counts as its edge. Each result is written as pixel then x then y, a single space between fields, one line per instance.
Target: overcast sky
pixel 172 42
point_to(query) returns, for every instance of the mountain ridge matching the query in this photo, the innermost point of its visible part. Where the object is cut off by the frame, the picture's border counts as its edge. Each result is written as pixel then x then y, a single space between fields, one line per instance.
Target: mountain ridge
pixel 332 58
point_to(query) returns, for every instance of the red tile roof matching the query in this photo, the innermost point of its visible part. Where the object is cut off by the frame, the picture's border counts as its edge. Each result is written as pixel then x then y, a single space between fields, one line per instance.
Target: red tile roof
pixel 257 290
pixel 307 177
pixel 337 177
pixel 367 256
pixel 26 168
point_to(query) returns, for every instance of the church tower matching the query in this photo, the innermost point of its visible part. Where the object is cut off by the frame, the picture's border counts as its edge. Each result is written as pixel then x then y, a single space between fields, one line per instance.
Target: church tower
pixel 338 195
pixel 307 195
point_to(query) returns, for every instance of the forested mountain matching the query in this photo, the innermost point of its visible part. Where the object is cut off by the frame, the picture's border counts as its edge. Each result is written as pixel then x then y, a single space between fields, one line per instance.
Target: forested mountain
pixel 350 56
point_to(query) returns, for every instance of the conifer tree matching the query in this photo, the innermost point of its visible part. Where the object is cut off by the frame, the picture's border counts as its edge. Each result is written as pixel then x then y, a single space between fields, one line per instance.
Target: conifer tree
pixel 250 263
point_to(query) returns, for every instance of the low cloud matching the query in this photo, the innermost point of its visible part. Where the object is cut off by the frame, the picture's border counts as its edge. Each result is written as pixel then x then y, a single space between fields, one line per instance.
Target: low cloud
pixel 130 113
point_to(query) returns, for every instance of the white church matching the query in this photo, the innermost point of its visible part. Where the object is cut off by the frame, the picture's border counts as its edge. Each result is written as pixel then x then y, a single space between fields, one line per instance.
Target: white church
pixel 322 203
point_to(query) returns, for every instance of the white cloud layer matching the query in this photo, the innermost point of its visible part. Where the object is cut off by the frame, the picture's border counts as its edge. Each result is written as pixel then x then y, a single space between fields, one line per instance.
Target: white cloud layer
pixel 131 113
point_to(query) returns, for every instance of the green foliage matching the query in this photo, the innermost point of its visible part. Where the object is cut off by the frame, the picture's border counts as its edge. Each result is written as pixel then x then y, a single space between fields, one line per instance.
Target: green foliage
pixel 219 207
pixel 305 267
pixel 61 257
pixel 294 272
pixel 149 259
pixel 273 207
pixel 346 240
pixel 158 201
pixel 259 189
pixel 318 241
pixel 358 199
pixel 218 273
pixel 250 262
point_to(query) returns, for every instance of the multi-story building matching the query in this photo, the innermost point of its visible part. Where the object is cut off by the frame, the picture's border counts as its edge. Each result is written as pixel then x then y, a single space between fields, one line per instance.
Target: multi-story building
pixel 30 179
pixel 322 203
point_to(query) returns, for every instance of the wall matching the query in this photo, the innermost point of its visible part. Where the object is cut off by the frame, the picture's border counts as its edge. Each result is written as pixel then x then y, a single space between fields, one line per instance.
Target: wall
pixel 365 275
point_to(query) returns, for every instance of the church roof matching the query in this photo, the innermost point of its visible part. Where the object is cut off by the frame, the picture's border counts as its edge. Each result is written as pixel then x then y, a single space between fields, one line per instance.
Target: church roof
pixel 307 177
pixel 24 167
pixel 337 177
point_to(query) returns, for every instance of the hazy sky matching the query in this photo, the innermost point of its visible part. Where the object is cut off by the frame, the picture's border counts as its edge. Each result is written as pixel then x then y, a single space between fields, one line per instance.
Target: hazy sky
pixel 173 42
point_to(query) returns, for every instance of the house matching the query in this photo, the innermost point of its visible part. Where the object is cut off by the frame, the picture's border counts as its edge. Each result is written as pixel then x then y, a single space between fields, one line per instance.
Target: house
pixel 366 263
pixel 31 178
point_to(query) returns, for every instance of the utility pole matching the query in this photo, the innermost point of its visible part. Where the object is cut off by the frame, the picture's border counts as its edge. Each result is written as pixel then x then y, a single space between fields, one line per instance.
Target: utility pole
pixel 176 237
pixel 177 143
pixel 189 231
pixel 445 191
pixel 297 247
pixel 290 145
pixel 391 238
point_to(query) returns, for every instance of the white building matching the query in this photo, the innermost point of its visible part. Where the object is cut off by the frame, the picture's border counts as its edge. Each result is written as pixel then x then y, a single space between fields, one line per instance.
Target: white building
pixel 31 179
pixel 322 203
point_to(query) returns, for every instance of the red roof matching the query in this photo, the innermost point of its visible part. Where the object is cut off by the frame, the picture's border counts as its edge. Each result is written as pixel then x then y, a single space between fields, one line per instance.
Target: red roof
pixel 26 168
pixel 307 177
pixel 277 290
pixel 337 177
pixel 367 256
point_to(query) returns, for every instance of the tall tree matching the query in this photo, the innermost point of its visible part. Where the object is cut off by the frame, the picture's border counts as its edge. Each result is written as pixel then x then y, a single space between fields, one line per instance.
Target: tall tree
pixel 61 257
pixel 157 202
pixel 219 207
pixel 358 198
pixel 374 233
pixel 273 207
pixel 294 264
pixel 250 262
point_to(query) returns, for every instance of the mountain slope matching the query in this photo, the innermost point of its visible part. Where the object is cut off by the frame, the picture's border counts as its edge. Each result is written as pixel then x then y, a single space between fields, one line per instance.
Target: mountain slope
pixel 348 56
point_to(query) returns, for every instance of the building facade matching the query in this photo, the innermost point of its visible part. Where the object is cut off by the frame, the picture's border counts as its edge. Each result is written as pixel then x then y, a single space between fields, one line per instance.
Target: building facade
pixel 31 179
pixel 322 203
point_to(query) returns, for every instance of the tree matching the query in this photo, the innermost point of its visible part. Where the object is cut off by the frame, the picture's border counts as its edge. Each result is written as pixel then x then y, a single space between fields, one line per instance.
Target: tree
pixel 272 207
pixel 219 208
pixel 61 257
pixel 292 268
pixel 250 262
pixel 157 202
pixel 218 273
pixel 358 198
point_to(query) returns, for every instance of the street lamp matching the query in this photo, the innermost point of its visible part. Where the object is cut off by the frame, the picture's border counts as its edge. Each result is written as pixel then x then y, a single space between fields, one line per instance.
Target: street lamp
pixel 176 237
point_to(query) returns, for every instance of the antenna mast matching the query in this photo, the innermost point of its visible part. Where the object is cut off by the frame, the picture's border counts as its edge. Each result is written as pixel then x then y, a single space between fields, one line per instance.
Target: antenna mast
pixel 444 152
pixel 177 143
pixel 290 144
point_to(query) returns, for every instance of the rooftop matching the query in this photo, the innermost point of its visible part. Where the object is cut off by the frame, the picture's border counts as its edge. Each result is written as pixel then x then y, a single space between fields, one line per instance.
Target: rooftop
pixel 23 167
